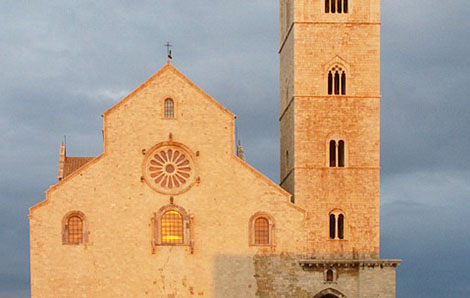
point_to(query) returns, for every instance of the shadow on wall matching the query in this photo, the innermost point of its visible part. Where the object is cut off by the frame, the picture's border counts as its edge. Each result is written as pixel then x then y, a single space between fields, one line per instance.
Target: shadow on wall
pixel 269 277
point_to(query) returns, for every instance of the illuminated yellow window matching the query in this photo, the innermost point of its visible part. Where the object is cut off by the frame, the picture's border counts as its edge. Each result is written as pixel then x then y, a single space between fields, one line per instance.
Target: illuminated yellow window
pixel 75 230
pixel 172 228
pixel 261 231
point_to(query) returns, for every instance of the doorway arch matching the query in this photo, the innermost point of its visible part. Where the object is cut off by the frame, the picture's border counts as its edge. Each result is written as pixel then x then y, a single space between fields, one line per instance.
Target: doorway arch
pixel 329 293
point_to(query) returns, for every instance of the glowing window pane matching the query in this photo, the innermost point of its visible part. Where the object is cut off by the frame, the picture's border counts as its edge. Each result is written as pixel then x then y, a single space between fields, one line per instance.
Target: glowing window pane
pixel 75 230
pixel 261 231
pixel 172 228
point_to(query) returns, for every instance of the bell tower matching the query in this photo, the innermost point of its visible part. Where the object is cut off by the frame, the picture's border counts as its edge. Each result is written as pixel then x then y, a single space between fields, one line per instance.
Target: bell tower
pixel 330 122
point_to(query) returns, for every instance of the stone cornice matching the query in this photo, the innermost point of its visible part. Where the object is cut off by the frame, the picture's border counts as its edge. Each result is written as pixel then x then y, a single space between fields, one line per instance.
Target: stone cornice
pixel 311 263
pixel 291 26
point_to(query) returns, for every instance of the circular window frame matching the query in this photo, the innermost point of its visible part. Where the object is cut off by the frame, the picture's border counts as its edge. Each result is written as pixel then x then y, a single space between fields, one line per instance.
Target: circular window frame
pixel 149 155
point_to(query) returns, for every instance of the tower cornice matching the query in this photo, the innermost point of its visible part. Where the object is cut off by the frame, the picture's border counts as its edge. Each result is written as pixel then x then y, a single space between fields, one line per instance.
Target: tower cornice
pixel 284 39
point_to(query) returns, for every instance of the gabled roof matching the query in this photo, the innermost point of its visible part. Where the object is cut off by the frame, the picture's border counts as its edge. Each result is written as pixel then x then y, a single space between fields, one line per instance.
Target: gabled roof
pixel 74 163
pixel 68 165
pixel 166 68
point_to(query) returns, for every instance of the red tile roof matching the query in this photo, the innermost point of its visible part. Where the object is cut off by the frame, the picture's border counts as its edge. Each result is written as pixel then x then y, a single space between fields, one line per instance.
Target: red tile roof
pixel 74 163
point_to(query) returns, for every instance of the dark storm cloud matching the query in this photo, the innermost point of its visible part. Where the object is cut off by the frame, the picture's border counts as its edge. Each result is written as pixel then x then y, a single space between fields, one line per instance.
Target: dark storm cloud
pixel 425 103
pixel 65 62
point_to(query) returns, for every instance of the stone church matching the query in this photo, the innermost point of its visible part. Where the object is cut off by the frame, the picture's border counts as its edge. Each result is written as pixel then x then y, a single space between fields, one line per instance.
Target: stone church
pixel 169 209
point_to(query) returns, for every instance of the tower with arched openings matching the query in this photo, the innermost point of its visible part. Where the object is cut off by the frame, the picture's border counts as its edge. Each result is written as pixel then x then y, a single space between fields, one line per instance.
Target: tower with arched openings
pixel 169 210
pixel 330 126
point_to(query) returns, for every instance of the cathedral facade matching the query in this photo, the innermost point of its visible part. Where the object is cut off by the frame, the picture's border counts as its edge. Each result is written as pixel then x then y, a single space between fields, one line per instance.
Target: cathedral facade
pixel 169 209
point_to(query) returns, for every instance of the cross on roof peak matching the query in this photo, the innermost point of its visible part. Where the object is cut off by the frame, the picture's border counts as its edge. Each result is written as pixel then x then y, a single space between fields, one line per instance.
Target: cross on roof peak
pixel 168 51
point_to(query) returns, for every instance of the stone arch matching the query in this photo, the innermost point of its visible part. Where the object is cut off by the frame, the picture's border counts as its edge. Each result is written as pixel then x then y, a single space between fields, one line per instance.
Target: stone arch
pixel 338 230
pixel 251 228
pixel 329 293
pixel 65 228
pixel 337 62
pixel 185 225
pixel 336 149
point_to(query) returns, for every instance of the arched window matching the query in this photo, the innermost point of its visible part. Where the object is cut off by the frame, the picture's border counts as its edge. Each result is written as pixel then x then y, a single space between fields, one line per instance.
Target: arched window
pixel 261 229
pixel 329 275
pixel 343 83
pixel 330 83
pixel 172 228
pixel 336 6
pixel 169 108
pixel 341 226
pixel 341 153
pixel 336 153
pixel 74 228
pixel 332 226
pixel 332 153
pixel 336 225
pixel 337 80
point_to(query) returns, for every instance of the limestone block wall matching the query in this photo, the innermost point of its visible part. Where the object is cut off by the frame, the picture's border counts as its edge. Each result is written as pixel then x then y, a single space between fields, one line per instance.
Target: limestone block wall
pixel 118 259
pixel 282 276
pixel 311 117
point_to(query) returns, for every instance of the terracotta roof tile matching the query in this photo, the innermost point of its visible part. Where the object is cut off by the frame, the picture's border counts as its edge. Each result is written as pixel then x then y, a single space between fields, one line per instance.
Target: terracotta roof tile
pixel 74 163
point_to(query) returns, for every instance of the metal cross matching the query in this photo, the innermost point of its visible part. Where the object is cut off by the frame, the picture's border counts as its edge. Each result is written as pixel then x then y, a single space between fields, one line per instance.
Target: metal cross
pixel 168 51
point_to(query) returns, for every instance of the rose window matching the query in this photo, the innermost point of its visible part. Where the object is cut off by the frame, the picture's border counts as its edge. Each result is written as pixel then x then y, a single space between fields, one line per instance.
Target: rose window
pixel 169 169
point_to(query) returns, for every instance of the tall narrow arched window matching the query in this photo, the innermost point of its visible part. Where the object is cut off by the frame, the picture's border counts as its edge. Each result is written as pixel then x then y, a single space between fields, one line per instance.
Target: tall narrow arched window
pixel 332 226
pixel 172 228
pixel 336 224
pixel 330 83
pixel 336 81
pixel 336 6
pixel 169 108
pixel 332 153
pixel 341 226
pixel 343 83
pixel 336 152
pixel 261 229
pixel 341 153
pixel 74 228
pixel 329 275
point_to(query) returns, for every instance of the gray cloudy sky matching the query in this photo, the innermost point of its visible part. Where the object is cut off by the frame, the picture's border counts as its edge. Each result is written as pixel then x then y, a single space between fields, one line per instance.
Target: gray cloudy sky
pixel 63 63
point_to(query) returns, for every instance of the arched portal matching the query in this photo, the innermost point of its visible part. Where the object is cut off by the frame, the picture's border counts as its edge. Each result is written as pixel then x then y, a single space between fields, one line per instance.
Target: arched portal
pixel 329 293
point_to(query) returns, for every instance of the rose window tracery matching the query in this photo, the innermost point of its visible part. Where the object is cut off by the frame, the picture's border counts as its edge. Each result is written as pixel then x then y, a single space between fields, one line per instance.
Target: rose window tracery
pixel 169 169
